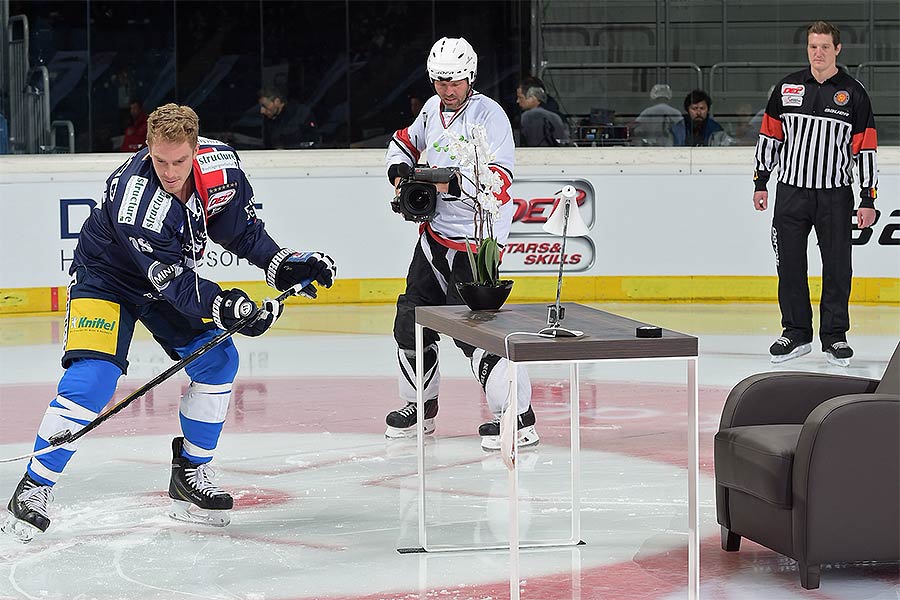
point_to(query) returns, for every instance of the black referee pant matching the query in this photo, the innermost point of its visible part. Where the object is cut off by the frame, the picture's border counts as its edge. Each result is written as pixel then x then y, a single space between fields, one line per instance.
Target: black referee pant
pixel 797 210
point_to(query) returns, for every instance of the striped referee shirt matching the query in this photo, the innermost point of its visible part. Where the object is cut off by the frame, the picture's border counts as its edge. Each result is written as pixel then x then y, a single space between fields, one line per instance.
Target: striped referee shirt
pixel 814 132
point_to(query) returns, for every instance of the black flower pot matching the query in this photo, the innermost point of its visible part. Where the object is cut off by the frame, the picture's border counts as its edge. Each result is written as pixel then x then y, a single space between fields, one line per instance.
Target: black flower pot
pixel 485 296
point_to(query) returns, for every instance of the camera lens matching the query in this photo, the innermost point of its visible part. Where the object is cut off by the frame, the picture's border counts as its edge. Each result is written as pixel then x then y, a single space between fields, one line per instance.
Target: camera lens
pixel 419 201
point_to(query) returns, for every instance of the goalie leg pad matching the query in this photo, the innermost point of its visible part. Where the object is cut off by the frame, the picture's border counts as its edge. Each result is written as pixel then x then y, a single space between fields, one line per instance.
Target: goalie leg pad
pixel 491 372
pixel 407 379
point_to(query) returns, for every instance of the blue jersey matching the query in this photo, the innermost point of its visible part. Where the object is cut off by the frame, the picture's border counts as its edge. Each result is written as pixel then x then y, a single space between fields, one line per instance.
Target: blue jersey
pixel 145 244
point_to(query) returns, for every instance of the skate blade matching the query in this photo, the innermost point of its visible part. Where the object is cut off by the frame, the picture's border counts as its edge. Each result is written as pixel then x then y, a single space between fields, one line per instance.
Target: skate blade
pixel 840 362
pixel 528 438
pixel 795 353
pixel 190 513
pixel 395 433
pixel 19 530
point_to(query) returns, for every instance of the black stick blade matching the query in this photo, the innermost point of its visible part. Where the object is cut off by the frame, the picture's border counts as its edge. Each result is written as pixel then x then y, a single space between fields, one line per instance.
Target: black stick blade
pixel 60 438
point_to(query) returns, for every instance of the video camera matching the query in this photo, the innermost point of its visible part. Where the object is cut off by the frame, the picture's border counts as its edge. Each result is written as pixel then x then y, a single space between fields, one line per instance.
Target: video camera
pixel 417 196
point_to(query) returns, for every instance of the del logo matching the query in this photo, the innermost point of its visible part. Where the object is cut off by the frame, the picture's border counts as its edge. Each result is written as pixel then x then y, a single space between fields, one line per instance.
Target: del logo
pixel 219 196
pixel 788 89
pixel 842 97
pixel 97 324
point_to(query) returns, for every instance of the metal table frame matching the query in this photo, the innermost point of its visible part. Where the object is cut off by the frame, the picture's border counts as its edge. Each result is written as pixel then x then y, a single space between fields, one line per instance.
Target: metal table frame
pixel 575 449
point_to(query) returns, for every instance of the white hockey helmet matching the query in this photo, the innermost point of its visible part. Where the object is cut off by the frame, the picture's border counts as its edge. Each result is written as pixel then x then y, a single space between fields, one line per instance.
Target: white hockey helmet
pixel 452 59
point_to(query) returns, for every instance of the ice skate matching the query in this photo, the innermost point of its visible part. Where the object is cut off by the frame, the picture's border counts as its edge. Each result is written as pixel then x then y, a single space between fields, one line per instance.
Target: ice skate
pixel 490 432
pixel 402 423
pixel 838 353
pixel 195 499
pixel 784 349
pixel 28 510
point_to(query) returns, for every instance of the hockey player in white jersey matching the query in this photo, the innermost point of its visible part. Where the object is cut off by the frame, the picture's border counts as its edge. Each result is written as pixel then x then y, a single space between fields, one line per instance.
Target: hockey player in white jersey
pixel 439 260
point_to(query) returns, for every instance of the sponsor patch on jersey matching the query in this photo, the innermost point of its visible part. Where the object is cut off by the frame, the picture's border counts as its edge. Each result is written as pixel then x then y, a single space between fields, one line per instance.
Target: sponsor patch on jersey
pixel 157 211
pixel 141 245
pixel 161 275
pixel 131 199
pixel 93 325
pixel 792 94
pixel 792 89
pixel 220 196
pixel 215 161
pixel 835 111
pixel 209 141
pixel 842 97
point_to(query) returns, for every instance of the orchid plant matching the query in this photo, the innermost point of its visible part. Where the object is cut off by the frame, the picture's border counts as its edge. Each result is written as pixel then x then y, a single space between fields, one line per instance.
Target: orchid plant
pixel 474 156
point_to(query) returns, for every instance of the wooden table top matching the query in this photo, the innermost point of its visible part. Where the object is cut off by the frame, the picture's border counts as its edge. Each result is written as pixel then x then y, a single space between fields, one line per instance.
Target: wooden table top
pixel 606 335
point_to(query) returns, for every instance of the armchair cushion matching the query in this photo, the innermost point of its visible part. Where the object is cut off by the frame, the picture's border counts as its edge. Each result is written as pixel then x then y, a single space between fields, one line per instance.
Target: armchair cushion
pixel 758 460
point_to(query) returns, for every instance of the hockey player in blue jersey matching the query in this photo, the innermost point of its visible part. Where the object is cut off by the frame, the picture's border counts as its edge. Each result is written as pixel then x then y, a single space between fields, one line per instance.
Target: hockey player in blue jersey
pixel 135 261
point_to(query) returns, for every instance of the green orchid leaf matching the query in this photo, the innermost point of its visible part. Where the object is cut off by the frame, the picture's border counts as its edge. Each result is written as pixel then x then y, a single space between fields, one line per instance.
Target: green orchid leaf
pixel 471 256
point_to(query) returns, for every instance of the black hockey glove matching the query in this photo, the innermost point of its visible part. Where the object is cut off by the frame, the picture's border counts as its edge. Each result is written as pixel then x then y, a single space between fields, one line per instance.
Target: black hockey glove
pixel 230 306
pixel 288 268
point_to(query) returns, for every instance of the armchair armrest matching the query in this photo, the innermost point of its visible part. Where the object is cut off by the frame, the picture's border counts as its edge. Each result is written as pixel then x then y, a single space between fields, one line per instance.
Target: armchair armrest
pixel 846 492
pixel 786 397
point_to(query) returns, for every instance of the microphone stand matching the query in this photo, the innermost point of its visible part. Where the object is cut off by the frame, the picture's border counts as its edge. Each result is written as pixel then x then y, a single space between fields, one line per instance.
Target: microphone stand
pixel 555 312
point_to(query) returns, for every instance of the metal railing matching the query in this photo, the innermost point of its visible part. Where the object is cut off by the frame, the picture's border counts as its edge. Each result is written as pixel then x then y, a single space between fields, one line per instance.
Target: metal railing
pixel 30 128
pixel 752 65
pixel 69 126
pixel 592 66
pixel 875 64
pixel 37 111
pixel 18 80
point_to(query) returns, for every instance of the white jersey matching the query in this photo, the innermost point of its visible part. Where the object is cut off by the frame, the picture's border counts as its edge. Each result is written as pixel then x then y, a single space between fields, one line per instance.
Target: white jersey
pixel 424 142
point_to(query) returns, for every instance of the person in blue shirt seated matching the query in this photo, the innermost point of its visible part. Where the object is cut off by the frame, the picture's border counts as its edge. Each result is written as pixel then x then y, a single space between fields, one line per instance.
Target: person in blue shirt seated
pixel 697 128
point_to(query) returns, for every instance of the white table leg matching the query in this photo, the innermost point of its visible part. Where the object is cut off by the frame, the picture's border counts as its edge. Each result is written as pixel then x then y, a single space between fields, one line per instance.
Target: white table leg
pixel 693 487
pixel 420 433
pixel 514 489
pixel 575 451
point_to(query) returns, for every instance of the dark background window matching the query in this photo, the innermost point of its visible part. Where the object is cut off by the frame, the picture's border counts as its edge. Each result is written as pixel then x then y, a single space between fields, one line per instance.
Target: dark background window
pixel 353 71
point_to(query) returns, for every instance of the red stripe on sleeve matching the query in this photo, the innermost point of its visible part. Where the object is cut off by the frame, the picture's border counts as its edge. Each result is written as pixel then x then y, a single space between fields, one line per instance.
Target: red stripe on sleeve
pixel 866 140
pixel 403 136
pixel 503 196
pixel 771 127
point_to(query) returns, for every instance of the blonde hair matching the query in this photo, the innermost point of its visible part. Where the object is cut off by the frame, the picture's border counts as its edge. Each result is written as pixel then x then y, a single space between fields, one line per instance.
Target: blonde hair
pixel 173 123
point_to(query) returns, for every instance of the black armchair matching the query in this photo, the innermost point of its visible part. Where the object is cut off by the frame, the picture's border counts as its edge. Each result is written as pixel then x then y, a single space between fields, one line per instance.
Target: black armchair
pixel 808 464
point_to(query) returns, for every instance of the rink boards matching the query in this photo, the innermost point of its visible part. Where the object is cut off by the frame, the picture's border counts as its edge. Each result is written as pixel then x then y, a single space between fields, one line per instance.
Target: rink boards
pixel 666 224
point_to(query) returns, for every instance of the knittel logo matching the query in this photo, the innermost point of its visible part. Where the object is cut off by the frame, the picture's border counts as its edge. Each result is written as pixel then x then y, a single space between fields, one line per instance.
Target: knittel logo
pixel 91 324
pixel 842 97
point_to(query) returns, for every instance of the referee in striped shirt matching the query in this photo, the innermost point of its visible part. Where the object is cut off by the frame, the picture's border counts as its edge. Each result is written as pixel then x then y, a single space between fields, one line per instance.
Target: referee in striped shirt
pixel 818 122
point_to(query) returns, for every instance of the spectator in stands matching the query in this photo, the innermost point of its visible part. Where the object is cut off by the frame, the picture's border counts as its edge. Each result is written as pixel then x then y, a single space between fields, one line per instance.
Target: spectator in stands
pixel 288 124
pixel 539 126
pixel 653 127
pixel 136 133
pixel 549 102
pixel 697 128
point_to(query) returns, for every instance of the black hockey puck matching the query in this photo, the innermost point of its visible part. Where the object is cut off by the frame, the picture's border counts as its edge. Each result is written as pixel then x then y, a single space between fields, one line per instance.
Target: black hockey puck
pixel 648 331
